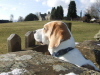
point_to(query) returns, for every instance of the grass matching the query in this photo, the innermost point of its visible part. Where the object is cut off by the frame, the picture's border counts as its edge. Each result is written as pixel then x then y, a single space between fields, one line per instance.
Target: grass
pixel 81 31
pixel 84 31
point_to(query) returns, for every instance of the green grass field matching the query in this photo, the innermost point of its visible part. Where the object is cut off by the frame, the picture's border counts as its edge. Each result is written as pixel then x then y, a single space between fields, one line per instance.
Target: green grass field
pixel 81 31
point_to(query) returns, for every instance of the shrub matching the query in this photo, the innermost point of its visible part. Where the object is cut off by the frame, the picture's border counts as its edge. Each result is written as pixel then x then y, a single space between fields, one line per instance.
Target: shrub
pixel 30 17
pixel 86 18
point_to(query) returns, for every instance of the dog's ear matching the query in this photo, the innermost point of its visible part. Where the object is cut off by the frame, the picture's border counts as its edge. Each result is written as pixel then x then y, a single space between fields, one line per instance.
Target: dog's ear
pixel 58 34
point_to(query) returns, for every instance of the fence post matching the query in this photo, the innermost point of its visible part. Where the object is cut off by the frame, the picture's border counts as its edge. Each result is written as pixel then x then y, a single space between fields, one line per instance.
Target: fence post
pixel 14 43
pixel 29 39
pixel 69 25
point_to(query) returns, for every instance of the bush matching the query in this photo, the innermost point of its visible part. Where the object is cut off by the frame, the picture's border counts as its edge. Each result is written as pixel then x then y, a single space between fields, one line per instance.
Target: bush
pixel 86 18
pixel 30 17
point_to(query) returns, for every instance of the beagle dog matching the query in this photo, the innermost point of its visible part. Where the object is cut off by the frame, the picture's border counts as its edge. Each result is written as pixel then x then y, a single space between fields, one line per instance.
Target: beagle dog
pixel 61 44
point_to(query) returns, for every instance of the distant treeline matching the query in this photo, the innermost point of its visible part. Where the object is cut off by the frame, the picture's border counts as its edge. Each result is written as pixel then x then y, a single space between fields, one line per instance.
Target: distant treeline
pixel 4 21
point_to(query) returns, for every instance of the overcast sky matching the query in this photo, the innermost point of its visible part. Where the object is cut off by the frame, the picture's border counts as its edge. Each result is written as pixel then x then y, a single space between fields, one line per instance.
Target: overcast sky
pixel 24 7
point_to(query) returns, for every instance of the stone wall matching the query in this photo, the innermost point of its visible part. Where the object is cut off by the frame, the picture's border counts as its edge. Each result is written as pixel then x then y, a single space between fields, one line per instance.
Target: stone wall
pixel 35 63
pixel 91 50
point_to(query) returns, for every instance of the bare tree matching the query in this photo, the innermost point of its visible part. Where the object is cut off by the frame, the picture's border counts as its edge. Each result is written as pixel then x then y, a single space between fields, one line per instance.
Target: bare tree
pixel 11 17
pixel 94 9
pixel 20 19
pixel 98 5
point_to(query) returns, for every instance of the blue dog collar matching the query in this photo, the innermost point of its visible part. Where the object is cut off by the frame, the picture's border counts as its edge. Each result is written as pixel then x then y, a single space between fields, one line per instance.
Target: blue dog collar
pixel 62 52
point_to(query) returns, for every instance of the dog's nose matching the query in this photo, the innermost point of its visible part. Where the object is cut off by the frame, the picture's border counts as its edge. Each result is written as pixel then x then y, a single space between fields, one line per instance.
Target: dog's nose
pixel 34 32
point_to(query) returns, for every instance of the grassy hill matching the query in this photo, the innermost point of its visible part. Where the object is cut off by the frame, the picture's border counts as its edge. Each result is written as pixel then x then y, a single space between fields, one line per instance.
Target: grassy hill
pixel 81 31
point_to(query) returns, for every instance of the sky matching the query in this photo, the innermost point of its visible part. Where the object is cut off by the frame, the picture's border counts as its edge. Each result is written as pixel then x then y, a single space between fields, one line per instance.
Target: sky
pixel 24 7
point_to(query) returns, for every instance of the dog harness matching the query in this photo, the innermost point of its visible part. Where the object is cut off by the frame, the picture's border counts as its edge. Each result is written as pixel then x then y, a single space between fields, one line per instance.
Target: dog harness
pixel 62 52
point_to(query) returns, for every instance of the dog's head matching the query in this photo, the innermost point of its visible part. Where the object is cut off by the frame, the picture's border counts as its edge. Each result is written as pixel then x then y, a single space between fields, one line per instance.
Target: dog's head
pixel 52 34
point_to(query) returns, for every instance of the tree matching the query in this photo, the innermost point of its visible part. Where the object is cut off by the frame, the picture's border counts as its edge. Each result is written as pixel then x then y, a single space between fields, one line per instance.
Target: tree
pixel 94 9
pixel 98 5
pixel 20 19
pixel 86 18
pixel 11 17
pixel 57 13
pixel 53 13
pixel 61 12
pixel 30 17
pixel 72 10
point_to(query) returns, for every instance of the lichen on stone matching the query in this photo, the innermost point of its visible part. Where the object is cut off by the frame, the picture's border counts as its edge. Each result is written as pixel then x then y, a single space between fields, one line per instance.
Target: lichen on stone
pixel 59 68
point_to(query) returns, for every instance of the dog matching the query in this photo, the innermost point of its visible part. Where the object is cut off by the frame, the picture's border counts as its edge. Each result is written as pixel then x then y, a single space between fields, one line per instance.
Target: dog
pixel 61 44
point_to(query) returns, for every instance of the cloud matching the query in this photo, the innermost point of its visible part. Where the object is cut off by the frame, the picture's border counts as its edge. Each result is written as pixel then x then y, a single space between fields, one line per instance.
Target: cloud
pixel 87 2
pixel 44 3
pixel 55 3
pixel 22 4
pixel 37 0
pixel 92 1
pixel 84 1
pixel 80 4
pixel 14 8
pixel 49 10
pixel 4 17
pixel 0 6
pixel 5 8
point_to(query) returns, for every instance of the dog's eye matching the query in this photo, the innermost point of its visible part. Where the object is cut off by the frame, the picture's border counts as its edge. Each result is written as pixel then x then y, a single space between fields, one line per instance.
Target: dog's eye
pixel 44 29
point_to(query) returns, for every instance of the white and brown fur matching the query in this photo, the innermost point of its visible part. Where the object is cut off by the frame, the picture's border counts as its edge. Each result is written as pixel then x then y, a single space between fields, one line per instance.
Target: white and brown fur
pixel 57 36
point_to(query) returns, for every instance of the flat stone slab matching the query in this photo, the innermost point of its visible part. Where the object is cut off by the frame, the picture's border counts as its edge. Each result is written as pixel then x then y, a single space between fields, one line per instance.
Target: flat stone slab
pixel 35 63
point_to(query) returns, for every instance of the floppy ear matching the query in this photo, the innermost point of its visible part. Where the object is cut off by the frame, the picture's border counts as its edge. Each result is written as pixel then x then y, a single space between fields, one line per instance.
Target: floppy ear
pixel 58 34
